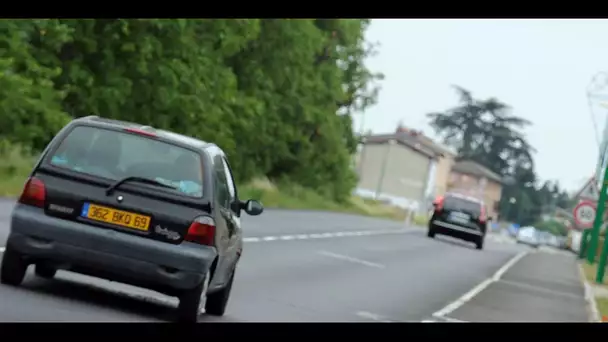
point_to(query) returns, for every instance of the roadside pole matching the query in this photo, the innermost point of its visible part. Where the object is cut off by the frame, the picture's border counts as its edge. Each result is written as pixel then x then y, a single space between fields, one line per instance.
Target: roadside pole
pixel 584 214
pixel 583 245
pixel 599 216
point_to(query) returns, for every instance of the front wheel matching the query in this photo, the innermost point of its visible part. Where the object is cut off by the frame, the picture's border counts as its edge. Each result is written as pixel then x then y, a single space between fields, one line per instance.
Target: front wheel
pixel 479 243
pixel 430 233
pixel 218 301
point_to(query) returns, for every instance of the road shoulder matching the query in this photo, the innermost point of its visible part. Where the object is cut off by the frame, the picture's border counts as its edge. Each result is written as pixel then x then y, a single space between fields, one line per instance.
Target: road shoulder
pixel 540 287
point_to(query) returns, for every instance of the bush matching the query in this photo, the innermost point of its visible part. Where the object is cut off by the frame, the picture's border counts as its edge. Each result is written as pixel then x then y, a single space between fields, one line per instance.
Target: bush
pixel 15 168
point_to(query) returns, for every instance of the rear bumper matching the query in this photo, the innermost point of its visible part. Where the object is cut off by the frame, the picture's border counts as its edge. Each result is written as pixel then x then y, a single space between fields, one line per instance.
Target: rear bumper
pixel 108 254
pixel 445 228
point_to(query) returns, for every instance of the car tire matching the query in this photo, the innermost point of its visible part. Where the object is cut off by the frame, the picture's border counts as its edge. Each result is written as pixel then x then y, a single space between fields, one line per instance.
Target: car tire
pixel 45 271
pixel 430 233
pixel 13 269
pixel 218 301
pixel 479 243
pixel 189 308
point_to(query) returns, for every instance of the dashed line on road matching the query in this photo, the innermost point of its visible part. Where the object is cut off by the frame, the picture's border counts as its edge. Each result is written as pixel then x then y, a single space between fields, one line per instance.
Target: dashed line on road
pixel 326 235
pixel 351 259
pixel 477 289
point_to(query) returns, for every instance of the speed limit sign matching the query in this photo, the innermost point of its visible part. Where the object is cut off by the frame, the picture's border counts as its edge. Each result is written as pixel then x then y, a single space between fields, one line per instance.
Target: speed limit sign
pixel 584 214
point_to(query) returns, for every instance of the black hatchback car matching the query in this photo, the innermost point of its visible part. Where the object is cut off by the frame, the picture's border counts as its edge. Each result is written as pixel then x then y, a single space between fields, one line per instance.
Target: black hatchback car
pixel 459 216
pixel 132 204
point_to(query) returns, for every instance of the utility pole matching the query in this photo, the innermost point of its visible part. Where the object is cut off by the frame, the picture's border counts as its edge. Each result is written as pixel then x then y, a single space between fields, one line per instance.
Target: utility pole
pixel 593 234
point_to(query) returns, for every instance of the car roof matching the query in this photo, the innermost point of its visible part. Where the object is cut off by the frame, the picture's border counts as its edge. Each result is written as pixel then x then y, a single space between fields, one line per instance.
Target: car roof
pixel 167 135
pixel 464 197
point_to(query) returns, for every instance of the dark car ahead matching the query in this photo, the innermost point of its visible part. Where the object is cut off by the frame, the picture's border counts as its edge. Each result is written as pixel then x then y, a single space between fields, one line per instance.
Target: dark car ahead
pixel 459 216
pixel 132 204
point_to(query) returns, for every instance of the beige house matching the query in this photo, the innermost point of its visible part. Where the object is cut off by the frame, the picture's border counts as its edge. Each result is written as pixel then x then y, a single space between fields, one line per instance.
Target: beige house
pixel 443 166
pixel 397 167
pixel 478 181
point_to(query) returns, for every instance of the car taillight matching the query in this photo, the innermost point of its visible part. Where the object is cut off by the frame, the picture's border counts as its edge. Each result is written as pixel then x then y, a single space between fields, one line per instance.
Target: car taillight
pixel 439 204
pixel 34 193
pixel 482 216
pixel 202 231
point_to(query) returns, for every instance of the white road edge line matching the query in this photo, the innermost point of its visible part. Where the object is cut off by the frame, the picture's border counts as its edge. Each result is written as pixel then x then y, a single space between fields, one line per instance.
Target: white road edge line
pixel 372 316
pixel 351 259
pixel 480 287
pixel 2 249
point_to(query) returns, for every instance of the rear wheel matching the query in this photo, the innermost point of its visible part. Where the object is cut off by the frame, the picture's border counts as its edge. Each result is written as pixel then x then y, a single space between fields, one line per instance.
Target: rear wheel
pixel 430 233
pixel 45 271
pixel 218 301
pixel 479 242
pixel 190 302
pixel 13 268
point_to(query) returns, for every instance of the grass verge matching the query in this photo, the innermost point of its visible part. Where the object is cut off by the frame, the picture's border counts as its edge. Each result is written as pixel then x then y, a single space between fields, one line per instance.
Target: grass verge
pixel 590 272
pixel 18 164
pixel 290 196
pixel 14 169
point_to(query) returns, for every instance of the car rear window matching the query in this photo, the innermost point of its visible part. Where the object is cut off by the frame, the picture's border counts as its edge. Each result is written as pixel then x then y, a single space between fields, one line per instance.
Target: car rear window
pixel 461 204
pixel 115 155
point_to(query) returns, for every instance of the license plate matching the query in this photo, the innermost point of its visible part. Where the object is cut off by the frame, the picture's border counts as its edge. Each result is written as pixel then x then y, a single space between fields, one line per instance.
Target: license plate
pixel 459 217
pixel 115 217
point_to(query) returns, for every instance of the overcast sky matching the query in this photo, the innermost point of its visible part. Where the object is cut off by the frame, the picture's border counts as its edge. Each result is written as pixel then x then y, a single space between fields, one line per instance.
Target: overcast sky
pixel 540 67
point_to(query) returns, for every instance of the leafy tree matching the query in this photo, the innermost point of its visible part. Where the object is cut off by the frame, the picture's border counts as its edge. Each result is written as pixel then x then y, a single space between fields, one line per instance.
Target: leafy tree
pixel 277 94
pixel 486 132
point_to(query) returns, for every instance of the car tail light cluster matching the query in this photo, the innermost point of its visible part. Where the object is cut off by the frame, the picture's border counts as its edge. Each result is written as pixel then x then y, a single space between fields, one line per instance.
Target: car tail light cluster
pixel 34 193
pixel 202 231
pixel 482 215
pixel 438 204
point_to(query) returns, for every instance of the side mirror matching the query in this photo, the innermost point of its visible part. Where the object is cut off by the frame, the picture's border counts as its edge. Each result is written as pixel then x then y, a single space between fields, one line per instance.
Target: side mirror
pixel 253 207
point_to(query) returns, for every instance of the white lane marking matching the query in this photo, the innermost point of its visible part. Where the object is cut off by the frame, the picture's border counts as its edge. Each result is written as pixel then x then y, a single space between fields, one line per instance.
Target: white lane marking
pixel 326 235
pixel 452 320
pixel 372 316
pixel 269 238
pixel 351 259
pixel 428 321
pixel 2 249
pixel 480 287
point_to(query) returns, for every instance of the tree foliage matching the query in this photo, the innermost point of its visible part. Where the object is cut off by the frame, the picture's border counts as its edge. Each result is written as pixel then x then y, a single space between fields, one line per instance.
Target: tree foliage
pixel 487 132
pixel 276 94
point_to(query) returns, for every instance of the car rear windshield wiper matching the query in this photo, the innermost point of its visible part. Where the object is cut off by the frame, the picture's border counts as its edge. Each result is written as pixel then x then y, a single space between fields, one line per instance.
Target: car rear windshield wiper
pixel 137 179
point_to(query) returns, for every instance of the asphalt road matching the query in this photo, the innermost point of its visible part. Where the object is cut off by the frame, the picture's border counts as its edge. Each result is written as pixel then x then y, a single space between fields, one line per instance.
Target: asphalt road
pixel 296 266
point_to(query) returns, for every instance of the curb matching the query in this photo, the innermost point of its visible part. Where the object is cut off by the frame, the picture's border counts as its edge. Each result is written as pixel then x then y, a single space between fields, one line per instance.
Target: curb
pixel 594 316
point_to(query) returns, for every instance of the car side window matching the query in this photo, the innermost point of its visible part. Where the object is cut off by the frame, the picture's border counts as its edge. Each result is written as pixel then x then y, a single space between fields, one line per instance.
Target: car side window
pixel 221 182
pixel 229 180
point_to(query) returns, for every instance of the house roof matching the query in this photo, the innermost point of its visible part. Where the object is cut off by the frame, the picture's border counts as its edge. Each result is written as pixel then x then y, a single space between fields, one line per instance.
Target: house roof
pixel 474 169
pixel 404 140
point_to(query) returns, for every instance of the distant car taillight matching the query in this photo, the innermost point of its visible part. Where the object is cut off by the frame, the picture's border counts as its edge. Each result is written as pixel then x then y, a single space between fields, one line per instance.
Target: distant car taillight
pixel 34 193
pixel 202 231
pixel 482 215
pixel 438 204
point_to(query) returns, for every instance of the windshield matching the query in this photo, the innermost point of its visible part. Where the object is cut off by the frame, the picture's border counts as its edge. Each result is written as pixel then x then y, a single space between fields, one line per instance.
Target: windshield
pixel 115 155
pixel 460 204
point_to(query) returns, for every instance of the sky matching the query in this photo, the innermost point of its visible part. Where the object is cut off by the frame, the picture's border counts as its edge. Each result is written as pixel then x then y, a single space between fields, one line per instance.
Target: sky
pixel 541 68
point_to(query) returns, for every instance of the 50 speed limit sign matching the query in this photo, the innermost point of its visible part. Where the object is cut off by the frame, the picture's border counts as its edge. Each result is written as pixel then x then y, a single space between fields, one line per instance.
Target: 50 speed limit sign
pixel 584 214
